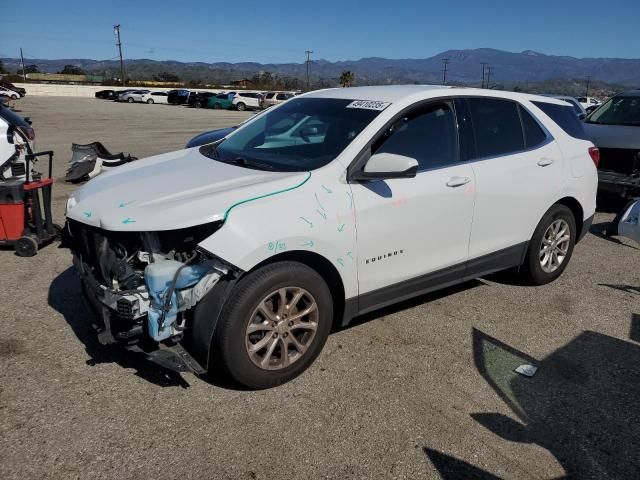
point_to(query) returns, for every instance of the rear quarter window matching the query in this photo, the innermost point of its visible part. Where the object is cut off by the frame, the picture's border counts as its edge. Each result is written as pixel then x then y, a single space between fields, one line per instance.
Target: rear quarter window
pixel 565 117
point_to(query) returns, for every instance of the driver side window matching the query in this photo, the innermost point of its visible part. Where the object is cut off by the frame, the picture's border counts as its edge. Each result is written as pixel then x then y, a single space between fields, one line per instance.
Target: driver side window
pixel 427 134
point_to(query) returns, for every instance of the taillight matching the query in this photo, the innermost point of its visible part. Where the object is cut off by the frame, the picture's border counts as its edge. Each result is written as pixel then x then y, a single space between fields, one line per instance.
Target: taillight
pixel 594 153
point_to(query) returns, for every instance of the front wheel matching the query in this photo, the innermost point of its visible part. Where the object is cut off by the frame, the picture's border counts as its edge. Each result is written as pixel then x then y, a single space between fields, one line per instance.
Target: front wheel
pixel 217 106
pixel 130 100
pixel 274 325
pixel 150 101
pixel 551 246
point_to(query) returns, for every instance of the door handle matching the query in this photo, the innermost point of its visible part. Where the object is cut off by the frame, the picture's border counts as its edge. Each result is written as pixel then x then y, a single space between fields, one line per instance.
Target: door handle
pixel 458 181
pixel 543 162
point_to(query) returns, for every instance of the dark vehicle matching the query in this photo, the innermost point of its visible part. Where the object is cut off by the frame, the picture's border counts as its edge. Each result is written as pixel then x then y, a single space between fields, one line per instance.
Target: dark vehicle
pixel 199 99
pixel 105 94
pixel 209 137
pixel 615 129
pixel 178 97
pixel 11 86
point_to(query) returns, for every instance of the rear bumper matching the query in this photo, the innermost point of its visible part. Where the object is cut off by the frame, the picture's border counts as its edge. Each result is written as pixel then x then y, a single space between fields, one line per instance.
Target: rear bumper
pixel 620 183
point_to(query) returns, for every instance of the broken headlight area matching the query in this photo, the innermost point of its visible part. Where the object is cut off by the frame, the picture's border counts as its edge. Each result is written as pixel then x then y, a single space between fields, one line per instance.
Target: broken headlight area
pixel 147 281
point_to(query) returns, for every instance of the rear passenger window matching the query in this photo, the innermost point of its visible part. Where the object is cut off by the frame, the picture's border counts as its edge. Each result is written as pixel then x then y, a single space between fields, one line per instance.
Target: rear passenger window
pixel 565 117
pixel 533 133
pixel 429 135
pixel 281 96
pixel 496 125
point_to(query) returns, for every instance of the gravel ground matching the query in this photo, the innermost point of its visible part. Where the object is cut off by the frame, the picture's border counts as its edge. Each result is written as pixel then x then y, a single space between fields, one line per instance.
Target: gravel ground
pixel 425 389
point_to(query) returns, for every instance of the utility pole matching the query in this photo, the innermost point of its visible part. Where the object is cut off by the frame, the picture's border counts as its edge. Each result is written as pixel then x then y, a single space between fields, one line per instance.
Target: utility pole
pixel 116 32
pixel 484 64
pixel 489 72
pixel 308 53
pixel 445 62
pixel 24 76
pixel 588 82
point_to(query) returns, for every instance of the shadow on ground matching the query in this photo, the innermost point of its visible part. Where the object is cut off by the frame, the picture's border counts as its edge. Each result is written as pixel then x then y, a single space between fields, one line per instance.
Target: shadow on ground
pixel 581 405
pixel 66 297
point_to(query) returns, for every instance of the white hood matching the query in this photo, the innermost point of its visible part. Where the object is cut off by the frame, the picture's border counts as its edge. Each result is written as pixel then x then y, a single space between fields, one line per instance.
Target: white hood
pixel 170 191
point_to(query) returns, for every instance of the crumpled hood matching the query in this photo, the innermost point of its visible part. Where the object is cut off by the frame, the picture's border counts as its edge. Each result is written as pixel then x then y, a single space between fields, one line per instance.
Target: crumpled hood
pixel 173 190
pixel 613 136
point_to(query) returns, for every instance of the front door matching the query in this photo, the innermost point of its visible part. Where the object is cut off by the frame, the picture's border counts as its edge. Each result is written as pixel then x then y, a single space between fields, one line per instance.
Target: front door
pixel 411 227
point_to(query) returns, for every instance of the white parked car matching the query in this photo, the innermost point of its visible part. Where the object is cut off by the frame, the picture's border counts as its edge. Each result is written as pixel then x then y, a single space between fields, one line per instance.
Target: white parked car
pixel 246 101
pixel 587 102
pixel 9 93
pixel 242 254
pixel 155 97
pixel 132 96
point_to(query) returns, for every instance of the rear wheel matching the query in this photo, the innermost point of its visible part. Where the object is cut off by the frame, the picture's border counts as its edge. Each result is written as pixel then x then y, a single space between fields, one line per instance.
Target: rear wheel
pixel 241 107
pixel 130 100
pixel 217 106
pixel 274 325
pixel 150 101
pixel 551 246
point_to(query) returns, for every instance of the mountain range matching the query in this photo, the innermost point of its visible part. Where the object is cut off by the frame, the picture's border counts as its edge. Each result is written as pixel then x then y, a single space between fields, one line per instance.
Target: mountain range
pixel 464 67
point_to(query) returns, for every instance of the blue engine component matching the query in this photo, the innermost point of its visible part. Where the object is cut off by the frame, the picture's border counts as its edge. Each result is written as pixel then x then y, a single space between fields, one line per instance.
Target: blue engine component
pixel 159 276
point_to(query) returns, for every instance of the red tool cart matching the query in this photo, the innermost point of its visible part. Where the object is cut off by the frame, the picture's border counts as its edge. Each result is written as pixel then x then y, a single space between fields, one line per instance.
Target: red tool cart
pixel 25 210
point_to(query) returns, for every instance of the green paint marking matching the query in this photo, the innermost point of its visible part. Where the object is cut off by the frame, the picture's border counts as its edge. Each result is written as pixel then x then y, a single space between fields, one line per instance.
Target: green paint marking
pixel 340 261
pixel 341 227
pixel 308 244
pixel 226 213
pixel 128 220
pixel 87 214
pixel 319 204
pixel 308 222
pixel 350 255
pixel 124 204
pixel 322 214
pixel 328 190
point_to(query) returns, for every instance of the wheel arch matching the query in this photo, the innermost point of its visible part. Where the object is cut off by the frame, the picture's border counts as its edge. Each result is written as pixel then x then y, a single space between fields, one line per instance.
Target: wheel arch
pixel 323 267
pixel 578 212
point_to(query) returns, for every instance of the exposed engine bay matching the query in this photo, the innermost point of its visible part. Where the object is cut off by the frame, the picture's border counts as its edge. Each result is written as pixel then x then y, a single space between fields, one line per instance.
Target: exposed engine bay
pixel 145 285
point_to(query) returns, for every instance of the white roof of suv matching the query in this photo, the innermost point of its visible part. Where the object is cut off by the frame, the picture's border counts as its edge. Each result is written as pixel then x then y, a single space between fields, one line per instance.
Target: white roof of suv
pixel 394 93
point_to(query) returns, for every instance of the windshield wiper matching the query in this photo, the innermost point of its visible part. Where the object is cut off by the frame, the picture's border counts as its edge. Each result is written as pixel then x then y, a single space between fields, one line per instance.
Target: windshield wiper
pixel 243 162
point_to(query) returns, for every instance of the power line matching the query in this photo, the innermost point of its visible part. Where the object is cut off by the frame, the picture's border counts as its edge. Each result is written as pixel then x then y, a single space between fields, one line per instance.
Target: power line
pixel 588 82
pixel 484 64
pixel 24 76
pixel 445 62
pixel 308 53
pixel 489 72
pixel 116 32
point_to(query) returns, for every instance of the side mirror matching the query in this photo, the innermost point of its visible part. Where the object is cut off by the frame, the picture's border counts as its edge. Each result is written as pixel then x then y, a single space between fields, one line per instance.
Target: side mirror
pixel 387 165
pixel 308 132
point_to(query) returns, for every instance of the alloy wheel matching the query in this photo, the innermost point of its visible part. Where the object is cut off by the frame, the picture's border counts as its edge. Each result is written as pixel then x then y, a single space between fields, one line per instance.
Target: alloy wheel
pixel 555 245
pixel 281 328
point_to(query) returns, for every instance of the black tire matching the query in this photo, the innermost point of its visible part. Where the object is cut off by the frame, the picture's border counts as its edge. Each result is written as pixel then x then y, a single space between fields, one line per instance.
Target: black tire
pixel 150 101
pixel 26 246
pixel 532 268
pixel 241 107
pixel 130 100
pixel 229 343
pixel 217 106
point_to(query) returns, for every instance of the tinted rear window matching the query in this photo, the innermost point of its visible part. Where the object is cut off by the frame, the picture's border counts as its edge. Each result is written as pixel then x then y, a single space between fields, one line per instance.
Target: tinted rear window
pixel 497 128
pixel 533 133
pixel 565 117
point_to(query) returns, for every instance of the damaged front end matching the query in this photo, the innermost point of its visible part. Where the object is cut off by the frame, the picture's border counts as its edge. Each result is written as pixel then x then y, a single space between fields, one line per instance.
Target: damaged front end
pixel 146 287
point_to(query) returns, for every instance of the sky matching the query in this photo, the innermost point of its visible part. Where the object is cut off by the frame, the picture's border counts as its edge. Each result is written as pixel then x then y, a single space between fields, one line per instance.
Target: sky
pixel 280 32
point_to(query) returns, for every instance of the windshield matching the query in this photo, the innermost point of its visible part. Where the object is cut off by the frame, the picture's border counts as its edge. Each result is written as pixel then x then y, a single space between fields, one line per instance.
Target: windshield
pixel 618 111
pixel 303 134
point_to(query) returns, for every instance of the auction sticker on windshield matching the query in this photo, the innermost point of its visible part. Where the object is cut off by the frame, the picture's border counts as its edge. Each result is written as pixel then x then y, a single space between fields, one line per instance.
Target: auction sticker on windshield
pixel 369 104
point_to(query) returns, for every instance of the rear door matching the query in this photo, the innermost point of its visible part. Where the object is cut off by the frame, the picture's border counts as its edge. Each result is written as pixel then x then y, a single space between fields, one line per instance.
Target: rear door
pixel 410 227
pixel 518 171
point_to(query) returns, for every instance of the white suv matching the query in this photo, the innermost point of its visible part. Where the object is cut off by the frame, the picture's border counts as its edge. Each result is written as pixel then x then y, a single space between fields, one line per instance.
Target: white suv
pixel 134 96
pixel 243 253
pixel 246 101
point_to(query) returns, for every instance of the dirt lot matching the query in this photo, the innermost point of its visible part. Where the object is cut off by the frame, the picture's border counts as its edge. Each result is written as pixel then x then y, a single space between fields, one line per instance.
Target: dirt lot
pixel 422 390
